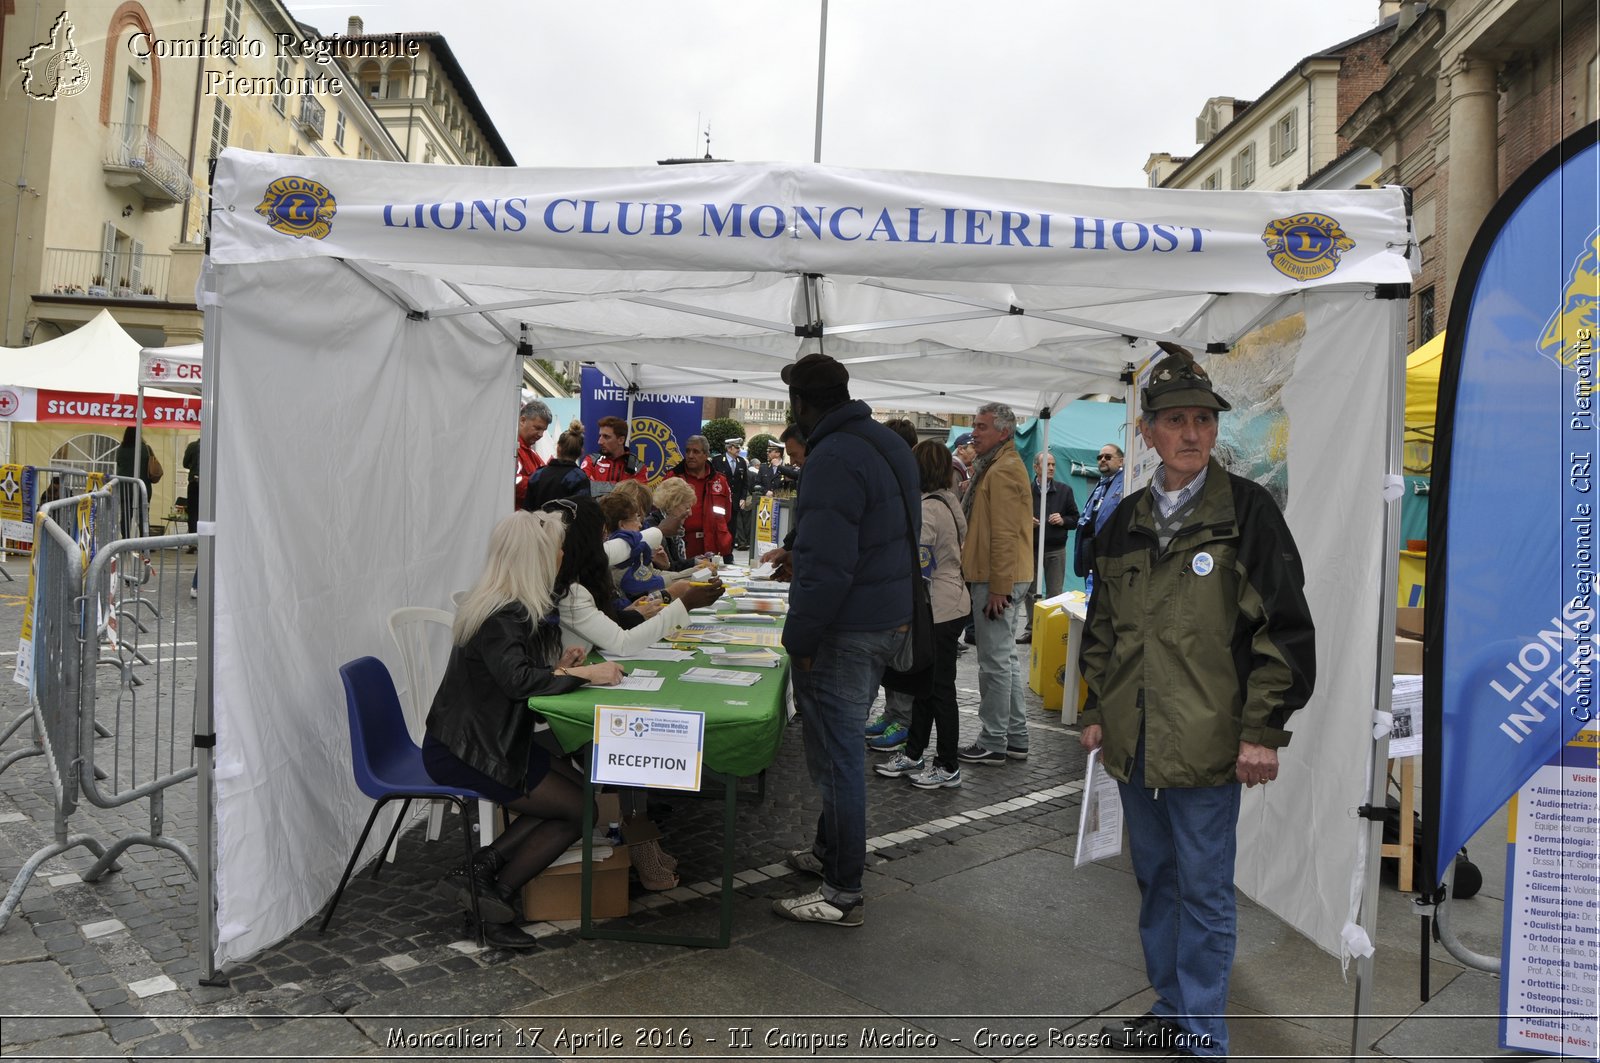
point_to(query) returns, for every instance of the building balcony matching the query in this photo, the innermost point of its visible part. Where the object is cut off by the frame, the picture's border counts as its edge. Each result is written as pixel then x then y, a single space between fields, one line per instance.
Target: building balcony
pixel 139 160
pixel 311 117
pixel 95 274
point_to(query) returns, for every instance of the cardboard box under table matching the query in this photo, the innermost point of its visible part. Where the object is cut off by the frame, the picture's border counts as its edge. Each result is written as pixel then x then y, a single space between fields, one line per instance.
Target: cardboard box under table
pixel 744 726
pixel 555 893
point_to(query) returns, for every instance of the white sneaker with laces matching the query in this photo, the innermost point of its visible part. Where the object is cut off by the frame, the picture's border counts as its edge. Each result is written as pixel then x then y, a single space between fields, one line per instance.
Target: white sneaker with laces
pixel 815 908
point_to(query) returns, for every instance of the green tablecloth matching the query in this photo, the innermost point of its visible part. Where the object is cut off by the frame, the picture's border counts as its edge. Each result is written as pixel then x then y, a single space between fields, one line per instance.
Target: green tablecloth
pixel 744 725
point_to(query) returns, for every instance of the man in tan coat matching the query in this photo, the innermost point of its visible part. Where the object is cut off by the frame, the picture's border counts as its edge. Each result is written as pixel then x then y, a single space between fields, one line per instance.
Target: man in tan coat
pixel 997 562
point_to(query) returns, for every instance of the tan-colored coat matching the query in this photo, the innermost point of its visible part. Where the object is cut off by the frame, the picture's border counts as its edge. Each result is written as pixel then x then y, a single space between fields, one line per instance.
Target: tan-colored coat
pixel 999 547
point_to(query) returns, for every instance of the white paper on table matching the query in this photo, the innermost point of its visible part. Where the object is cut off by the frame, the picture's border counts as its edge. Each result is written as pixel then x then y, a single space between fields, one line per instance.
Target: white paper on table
pixel 651 653
pixel 763 570
pixel 638 682
pixel 1100 818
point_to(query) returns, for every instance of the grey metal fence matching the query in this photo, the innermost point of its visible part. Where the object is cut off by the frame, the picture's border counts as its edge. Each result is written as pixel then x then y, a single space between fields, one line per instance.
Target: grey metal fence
pixel 106 652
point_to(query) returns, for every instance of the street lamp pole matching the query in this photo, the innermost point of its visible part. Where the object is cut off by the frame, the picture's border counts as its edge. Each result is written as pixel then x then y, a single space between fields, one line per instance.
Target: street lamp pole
pixel 822 68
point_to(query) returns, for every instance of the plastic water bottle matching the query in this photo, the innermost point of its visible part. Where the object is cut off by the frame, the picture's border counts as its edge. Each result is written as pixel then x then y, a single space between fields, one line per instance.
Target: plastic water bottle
pixel 1088 585
pixel 614 833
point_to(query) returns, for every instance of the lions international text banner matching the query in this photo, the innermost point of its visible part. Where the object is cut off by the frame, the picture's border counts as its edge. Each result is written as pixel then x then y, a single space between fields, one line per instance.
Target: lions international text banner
pixel 660 422
pixel 1510 659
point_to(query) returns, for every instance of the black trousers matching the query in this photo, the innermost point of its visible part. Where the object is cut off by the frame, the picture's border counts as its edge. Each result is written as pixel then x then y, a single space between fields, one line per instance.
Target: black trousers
pixel 938 707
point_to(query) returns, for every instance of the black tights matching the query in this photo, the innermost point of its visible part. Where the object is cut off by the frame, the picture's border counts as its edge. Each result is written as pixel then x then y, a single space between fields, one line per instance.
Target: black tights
pixel 549 819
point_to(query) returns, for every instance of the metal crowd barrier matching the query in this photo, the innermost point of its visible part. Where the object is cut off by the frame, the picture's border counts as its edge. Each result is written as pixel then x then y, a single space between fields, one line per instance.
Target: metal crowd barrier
pixel 107 651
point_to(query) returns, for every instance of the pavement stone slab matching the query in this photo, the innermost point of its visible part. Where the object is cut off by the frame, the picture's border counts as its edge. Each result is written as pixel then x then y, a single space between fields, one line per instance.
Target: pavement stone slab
pixel 42 1003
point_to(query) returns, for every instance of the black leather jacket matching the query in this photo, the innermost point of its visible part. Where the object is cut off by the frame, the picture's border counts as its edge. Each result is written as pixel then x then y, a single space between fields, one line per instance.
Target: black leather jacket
pixel 480 712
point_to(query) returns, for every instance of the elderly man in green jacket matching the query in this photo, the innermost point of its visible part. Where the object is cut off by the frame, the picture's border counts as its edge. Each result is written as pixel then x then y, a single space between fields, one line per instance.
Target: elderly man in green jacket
pixel 1198 646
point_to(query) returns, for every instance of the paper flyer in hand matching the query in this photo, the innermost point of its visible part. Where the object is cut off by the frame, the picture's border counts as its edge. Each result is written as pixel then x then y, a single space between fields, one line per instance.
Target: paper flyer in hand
pixel 1100 818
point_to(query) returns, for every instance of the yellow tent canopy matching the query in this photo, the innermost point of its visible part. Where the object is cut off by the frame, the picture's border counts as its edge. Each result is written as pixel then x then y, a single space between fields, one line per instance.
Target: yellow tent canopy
pixel 1422 398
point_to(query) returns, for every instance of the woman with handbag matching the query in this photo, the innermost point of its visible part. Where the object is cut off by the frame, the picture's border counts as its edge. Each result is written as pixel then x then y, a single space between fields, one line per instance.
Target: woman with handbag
pixel 943 530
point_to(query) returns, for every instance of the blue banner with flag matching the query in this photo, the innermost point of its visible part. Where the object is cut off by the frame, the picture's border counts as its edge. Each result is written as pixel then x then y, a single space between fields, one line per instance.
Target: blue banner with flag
pixel 1510 649
pixel 661 422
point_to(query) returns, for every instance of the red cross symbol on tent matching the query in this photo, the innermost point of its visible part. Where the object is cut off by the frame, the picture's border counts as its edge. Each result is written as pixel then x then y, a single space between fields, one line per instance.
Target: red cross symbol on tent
pixel 158 369
pixel 8 403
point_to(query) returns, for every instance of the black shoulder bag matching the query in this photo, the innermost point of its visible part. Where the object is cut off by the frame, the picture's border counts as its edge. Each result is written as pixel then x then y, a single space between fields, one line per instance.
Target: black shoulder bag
pixel 911 670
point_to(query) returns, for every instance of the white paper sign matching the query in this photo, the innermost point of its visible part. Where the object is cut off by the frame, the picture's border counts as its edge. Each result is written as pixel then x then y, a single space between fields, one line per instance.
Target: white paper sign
pixel 648 747
pixel 1100 817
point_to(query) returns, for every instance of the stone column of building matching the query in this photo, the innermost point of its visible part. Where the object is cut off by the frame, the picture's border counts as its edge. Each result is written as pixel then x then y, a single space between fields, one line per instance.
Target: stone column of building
pixel 1474 165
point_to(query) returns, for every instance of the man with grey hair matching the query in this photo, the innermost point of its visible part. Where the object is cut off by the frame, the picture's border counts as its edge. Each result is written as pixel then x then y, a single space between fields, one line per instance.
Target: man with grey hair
pixel 531 425
pixel 997 562
pixel 706 530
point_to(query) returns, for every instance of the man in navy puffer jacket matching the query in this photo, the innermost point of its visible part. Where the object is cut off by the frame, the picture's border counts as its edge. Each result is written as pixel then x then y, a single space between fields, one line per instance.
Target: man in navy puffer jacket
pixel 849 612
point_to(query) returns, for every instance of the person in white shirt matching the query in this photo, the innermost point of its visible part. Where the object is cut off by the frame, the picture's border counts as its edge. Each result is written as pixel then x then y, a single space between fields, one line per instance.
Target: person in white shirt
pixel 586 597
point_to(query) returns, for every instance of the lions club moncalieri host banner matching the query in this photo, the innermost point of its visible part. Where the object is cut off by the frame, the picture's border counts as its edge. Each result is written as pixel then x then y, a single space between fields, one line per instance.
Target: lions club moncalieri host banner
pixel 796 217
pixel 1510 670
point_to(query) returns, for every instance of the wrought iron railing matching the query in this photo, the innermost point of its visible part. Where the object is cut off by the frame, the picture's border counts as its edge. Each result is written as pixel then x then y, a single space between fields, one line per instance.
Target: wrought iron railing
pixel 134 147
pixel 104 274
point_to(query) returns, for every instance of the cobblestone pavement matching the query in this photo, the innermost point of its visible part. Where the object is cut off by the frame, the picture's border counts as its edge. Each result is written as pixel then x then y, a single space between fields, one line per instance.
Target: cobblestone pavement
pixel 121 955
pixel 980 939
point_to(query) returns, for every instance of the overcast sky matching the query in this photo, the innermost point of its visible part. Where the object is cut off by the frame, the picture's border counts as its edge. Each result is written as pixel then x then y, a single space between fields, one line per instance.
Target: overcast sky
pixel 1058 90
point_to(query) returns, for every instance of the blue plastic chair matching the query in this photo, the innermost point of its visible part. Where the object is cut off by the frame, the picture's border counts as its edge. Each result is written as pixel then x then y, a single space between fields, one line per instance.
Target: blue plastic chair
pixel 388 766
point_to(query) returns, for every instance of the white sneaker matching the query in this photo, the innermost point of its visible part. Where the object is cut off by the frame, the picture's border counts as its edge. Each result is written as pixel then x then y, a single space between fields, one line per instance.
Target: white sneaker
pixel 933 777
pixel 193 592
pixel 815 908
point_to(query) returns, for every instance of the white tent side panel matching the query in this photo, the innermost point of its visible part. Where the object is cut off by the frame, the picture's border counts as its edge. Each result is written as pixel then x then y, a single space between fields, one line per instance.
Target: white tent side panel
pixel 1298 844
pixel 361 460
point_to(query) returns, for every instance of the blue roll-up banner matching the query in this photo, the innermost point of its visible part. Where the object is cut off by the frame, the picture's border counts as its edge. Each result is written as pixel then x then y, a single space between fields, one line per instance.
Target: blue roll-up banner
pixel 661 422
pixel 1509 660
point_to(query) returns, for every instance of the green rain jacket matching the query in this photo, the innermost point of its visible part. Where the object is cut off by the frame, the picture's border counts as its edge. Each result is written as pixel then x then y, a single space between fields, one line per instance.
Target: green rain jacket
pixel 1203 646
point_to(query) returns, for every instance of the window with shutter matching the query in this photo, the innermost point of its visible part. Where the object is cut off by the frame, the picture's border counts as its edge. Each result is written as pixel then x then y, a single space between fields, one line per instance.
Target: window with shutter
pixel 232 15
pixel 221 118
pixel 1244 167
pixel 108 253
pixel 136 266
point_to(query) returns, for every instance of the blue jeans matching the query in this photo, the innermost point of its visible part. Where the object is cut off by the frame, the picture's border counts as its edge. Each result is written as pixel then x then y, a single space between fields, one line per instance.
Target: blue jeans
pixel 1182 842
pixel 1001 720
pixel 833 697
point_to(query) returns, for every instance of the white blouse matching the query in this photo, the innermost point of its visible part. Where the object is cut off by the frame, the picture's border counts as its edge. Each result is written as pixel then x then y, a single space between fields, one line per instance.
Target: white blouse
pixel 584 625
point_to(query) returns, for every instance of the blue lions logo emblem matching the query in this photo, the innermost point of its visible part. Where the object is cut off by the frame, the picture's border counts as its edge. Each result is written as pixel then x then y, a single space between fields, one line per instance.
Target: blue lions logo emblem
pixel 298 206
pixel 1305 247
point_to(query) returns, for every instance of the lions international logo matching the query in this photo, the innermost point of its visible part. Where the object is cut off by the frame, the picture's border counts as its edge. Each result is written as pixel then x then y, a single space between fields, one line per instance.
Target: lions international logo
pixel 1305 247
pixel 298 206
pixel 1572 327
pixel 655 446
pixel 55 69
pixel 619 724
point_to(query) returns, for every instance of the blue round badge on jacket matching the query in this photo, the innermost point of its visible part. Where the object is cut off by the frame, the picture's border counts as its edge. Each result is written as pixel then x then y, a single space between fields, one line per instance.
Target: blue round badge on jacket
pixel 1202 564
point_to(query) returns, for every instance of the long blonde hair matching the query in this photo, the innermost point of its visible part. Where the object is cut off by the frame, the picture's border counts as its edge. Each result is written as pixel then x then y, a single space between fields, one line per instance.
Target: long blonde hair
pixel 524 550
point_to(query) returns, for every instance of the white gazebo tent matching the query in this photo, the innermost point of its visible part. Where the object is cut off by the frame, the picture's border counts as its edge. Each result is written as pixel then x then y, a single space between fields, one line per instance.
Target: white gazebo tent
pixel 363 326
pixel 89 376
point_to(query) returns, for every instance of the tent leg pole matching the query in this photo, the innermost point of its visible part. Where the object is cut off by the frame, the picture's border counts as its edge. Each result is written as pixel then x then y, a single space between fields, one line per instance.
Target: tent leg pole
pixel 1383 681
pixel 205 728
pixel 1044 507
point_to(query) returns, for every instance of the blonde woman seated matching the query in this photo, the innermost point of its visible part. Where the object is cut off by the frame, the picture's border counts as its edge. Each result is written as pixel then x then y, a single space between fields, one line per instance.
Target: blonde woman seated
pixel 674 500
pixel 480 731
